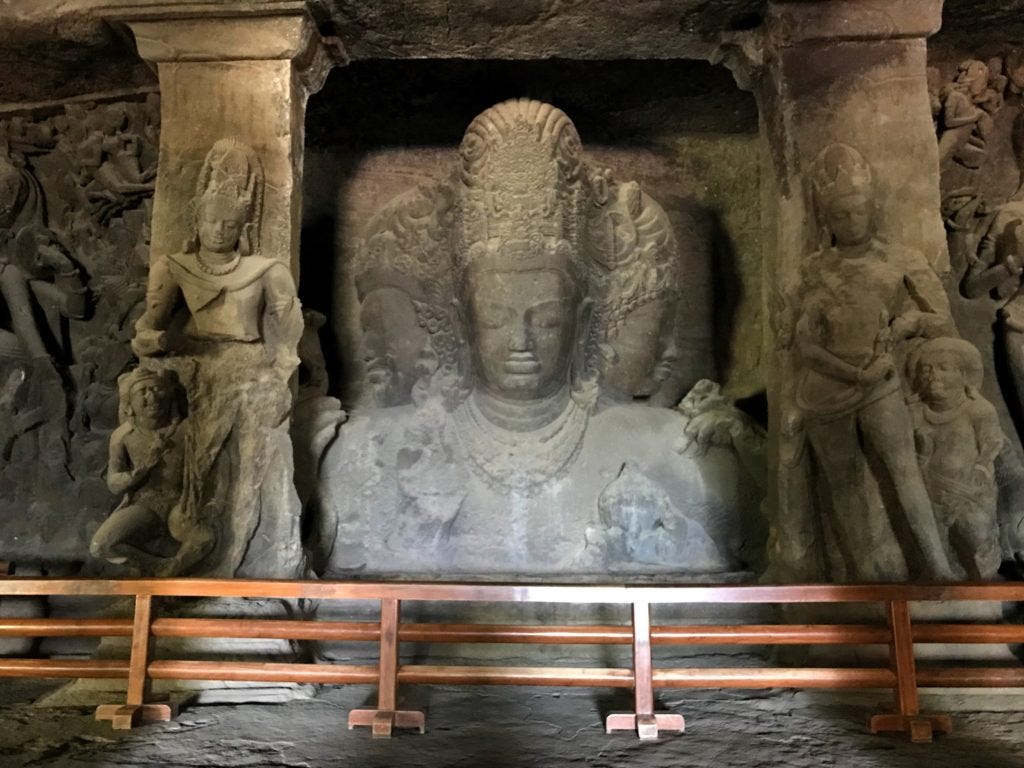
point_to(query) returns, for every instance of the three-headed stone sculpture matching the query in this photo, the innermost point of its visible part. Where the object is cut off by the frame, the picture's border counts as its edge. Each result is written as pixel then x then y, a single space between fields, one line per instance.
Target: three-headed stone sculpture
pixel 501 462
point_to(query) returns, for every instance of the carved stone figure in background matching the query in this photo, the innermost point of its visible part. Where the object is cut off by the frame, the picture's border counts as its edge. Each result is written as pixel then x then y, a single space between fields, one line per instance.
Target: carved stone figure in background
pixel 241 324
pixel 40 286
pixel 36 274
pixel 109 165
pixel 999 265
pixel 967 110
pixel 521 474
pixel 146 466
pixel 860 299
pixel 958 438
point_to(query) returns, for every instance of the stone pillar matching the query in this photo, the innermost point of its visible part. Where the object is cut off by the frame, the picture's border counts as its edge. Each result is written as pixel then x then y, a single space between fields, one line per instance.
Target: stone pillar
pixel 849 72
pixel 231 70
pixel 222 314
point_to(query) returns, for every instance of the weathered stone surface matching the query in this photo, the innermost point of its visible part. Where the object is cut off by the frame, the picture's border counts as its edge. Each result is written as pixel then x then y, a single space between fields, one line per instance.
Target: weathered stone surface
pixel 75 248
pixel 520 274
pixel 864 293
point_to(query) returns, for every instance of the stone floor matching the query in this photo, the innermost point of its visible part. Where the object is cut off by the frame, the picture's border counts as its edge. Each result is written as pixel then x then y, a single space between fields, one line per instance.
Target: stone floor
pixel 506 727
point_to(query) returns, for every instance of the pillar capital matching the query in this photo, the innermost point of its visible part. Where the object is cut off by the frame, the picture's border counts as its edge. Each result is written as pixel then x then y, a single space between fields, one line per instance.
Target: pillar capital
pixel 217 31
pixel 791 22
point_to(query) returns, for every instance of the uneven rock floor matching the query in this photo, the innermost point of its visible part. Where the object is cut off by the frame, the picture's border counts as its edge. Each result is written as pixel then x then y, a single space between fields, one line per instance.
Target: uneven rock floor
pixel 502 728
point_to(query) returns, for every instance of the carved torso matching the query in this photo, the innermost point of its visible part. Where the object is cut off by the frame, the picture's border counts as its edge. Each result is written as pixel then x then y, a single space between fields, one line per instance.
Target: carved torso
pixel 436 508
pixel 223 307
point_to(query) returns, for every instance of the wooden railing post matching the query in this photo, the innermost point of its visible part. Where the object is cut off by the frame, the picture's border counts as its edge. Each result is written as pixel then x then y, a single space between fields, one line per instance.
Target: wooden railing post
pixel 387 716
pixel 140 705
pixel 908 717
pixel 644 720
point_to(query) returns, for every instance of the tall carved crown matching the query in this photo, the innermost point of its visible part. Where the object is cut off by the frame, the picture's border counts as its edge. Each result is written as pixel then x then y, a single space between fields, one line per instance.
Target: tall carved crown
pixel 232 175
pixel 521 190
pixel 840 170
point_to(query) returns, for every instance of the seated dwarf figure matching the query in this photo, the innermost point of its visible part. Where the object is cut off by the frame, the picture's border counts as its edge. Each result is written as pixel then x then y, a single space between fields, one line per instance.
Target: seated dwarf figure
pixel 147 466
pixel 958 438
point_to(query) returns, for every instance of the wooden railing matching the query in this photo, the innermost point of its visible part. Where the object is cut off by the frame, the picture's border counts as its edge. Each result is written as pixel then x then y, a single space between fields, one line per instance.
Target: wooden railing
pixel 140 669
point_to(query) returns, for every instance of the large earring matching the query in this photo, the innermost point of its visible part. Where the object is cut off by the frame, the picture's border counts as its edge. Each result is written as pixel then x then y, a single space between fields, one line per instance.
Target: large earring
pixel 581 368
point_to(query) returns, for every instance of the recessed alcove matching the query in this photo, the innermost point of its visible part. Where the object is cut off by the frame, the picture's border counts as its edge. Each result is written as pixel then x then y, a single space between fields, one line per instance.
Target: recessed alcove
pixel 681 128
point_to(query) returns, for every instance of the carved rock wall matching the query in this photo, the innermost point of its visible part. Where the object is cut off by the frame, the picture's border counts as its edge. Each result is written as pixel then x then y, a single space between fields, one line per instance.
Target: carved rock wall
pixel 94 162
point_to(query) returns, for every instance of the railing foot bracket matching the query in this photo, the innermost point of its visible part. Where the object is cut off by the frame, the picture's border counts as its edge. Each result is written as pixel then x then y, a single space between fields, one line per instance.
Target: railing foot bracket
pixel 921 728
pixel 124 717
pixel 646 726
pixel 382 721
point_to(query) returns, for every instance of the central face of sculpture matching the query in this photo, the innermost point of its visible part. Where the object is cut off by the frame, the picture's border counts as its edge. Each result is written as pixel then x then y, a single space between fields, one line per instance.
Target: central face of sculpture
pixel 151 403
pixel 941 379
pixel 523 327
pixel 850 219
pixel 220 225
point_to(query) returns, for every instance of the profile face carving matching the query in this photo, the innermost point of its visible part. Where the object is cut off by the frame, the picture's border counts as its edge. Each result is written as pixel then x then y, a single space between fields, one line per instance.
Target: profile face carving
pixel 522 326
pixel 391 345
pixel 643 350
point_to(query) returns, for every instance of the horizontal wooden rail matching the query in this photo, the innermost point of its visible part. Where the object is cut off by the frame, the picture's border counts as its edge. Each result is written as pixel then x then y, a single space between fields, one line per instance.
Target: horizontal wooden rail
pixel 262 672
pixel 899 633
pixel 107 668
pixel 516 593
pixel 780 677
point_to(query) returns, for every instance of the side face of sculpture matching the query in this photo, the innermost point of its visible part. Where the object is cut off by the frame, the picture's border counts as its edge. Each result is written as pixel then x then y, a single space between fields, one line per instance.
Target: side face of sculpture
pixel 147 467
pixel 508 461
pixel 392 341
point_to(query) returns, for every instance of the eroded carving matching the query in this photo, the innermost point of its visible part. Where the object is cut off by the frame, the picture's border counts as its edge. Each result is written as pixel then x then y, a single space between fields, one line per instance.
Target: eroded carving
pixel 958 439
pixel 147 461
pixel 74 289
pixel 233 313
pixel 861 303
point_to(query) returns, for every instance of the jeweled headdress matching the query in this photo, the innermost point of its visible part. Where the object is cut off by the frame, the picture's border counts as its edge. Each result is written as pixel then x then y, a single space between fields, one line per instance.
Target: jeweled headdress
pixel 232 175
pixel 840 170
pixel 521 193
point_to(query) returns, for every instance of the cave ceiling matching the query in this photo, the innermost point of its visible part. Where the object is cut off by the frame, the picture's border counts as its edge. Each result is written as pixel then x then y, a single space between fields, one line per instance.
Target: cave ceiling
pixel 54 49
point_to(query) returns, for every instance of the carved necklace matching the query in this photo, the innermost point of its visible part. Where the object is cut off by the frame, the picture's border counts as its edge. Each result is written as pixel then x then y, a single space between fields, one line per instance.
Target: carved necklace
pixel 218 270
pixel 513 460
